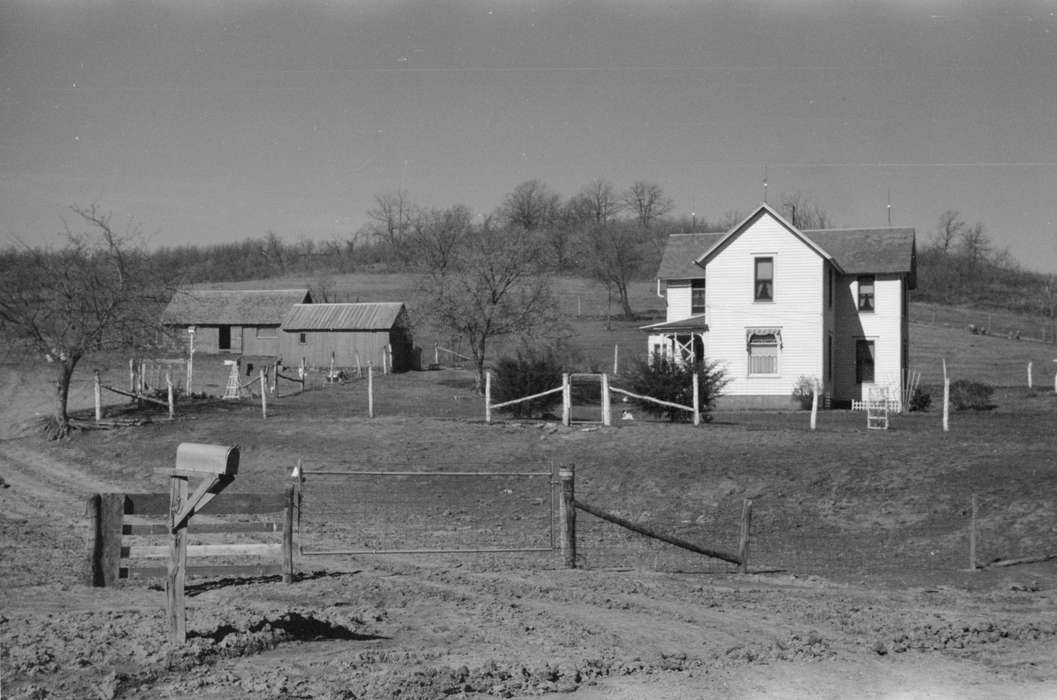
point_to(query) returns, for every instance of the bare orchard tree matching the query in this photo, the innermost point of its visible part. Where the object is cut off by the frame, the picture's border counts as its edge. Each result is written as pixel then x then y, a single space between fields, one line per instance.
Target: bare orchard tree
pixel 975 247
pixel 597 202
pixel 93 293
pixel 647 202
pixel 496 286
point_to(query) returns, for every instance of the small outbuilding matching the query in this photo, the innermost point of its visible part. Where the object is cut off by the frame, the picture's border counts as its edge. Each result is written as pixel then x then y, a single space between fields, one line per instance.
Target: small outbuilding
pixel 238 321
pixel 351 334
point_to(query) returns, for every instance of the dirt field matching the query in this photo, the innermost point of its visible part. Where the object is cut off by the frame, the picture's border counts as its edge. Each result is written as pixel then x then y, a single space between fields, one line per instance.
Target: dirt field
pixel 858 587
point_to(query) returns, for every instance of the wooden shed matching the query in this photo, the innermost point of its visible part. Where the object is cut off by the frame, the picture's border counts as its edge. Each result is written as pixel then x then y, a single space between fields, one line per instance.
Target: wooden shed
pixel 238 321
pixel 354 333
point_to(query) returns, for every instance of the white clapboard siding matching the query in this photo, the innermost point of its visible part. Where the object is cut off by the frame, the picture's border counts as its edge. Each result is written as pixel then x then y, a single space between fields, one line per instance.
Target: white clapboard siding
pixel 884 326
pixel 678 300
pixel 797 308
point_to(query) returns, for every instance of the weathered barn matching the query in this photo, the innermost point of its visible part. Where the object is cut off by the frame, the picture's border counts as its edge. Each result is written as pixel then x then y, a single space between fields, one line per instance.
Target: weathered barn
pixel 354 333
pixel 239 321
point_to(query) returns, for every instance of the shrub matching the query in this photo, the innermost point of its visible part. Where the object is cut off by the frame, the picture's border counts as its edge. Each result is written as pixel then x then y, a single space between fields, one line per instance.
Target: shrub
pixel 671 381
pixel 530 372
pixel 967 394
pixel 804 390
pixel 920 400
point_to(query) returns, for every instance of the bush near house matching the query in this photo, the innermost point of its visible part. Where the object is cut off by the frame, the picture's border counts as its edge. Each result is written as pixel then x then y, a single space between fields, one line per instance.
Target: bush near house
pixel 804 391
pixel 530 372
pixel 667 380
pixel 966 394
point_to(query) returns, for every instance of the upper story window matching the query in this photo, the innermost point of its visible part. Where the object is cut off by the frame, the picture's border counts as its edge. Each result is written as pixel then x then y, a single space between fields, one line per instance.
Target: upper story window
pixel 764 287
pixel 829 285
pixel 866 293
pixel 697 297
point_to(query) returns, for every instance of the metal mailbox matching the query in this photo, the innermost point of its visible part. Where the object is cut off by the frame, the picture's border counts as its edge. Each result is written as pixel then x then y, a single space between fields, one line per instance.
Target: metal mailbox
pixel 207 459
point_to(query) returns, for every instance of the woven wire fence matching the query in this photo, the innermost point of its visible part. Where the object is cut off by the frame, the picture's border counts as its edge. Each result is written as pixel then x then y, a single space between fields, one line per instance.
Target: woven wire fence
pixel 394 511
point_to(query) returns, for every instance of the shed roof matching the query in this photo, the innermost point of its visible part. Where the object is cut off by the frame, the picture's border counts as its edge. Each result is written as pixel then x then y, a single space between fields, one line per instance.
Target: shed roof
pixel 247 307
pixel 343 317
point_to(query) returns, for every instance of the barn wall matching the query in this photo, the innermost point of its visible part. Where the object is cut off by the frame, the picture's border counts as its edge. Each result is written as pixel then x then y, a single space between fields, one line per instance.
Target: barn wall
pixel 260 340
pixel 346 346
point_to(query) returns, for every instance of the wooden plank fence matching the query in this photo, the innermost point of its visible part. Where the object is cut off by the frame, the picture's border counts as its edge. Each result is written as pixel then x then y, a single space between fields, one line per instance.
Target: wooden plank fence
pixel 114 557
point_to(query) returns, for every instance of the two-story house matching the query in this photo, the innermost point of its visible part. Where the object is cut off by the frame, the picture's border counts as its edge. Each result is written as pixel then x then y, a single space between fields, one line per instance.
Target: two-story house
pixel 772 303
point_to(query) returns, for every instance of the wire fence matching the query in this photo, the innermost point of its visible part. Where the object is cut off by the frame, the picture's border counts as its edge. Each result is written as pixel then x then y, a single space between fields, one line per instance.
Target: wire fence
pixel 403 511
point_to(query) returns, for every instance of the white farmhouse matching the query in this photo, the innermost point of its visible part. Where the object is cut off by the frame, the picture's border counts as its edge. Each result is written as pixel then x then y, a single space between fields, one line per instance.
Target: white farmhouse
pixel 772 304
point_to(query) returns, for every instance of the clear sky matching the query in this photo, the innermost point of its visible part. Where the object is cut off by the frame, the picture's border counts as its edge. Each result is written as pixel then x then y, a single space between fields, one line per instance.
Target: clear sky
pixel 216 121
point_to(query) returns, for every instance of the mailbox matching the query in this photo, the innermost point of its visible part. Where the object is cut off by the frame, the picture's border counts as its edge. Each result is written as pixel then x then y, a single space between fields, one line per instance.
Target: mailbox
pixel 207 459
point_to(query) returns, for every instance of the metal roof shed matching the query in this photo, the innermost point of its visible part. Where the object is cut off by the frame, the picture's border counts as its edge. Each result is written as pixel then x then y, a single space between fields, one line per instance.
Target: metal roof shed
pixel 350 333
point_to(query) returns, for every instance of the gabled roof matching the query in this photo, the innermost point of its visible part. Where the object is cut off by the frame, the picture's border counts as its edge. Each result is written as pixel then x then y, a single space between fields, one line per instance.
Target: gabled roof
pixel 868 250
pixel 245 307
pixel 677 261
pixel 762 210
pixel 852 251
pixel 380 316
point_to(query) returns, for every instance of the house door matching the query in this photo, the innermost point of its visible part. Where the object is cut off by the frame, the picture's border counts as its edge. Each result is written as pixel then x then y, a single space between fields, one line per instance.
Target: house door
pixel 224 338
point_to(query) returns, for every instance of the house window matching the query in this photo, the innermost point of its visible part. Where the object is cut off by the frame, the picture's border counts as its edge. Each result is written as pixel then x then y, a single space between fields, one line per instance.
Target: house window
pixel 764 289
pixel 866 286
pixel 267 332
pixel 829 290
pixel 864 361
pixel 224 338
pixel 763 354
pixel 302 338
pixel 697 297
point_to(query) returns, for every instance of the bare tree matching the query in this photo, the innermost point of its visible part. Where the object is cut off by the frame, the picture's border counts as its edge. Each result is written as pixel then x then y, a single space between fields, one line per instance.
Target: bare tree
pixel 531 206
pixel 597 202
pixel 975 246
pixel 948 230
pixel 436 236
pixel 93 293
pixel 647 201
pixel 495 287
pixel 615 254
pixel 391 218
pixel 804 212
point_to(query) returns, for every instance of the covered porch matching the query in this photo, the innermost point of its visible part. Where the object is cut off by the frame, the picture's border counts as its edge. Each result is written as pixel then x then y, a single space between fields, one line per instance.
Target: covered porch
pixel 681 341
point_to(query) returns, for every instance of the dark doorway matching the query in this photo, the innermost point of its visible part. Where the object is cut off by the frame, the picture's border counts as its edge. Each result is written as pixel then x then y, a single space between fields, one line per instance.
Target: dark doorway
pixel 224 338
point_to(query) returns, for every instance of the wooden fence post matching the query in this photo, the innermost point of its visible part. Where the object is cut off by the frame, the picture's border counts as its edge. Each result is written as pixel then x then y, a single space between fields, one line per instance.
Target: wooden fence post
pixel 946 397
pixel 264 395
pixel 972 533
pixel 743 540
pixel 488 396
pixel 177 571
pixel 697 399
pixel 288 536
pixel 567 400
pixel 172 398
pixel 607 402
pixel 106 514
pixel 98 398
pixel 616 359
pixel 567 515
pixel 132 375
pixel 814 404
pixel 1029 375
pixel 370 391
pixel 436 353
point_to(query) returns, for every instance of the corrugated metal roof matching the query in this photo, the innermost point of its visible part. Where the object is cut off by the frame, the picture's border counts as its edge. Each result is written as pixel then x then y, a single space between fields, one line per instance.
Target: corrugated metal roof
pixel 343 317
pixel 247 307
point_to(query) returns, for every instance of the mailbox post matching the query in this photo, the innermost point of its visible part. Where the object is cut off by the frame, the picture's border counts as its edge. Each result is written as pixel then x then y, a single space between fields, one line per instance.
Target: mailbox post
pixel 217 466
